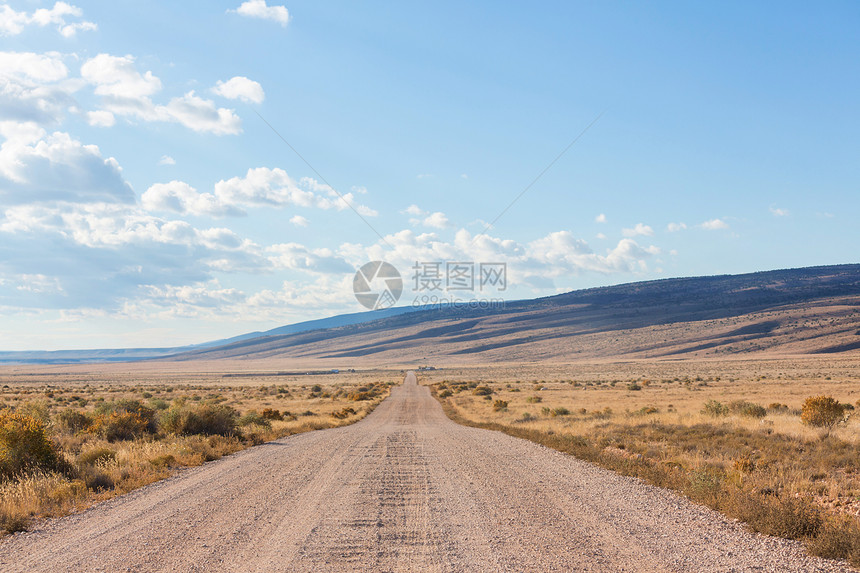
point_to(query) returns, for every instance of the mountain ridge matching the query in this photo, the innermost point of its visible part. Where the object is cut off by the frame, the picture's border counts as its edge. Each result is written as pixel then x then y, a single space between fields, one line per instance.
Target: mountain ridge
pixel 687 316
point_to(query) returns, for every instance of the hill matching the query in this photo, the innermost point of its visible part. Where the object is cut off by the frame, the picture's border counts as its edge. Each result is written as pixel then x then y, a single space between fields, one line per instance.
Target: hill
pixel 813 310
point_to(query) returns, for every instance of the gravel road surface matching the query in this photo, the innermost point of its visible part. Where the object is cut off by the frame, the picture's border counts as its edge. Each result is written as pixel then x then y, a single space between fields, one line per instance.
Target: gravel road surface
pixel 405 489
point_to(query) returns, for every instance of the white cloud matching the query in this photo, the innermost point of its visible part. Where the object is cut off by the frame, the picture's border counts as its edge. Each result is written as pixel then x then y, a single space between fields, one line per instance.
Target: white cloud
pixel 36 67
pixel 600 236
pixel 117 76
pixel 675 227
pixel 600 218
pixel 36 166
pixel 127 92
pixel 260 187
pixel 166 160
pixel 71 30
pixel 299 257
pixel 414 210
pixel 299 221
pixel 13 22
pixel 39 283
pixel 437 220
pixel 273 187
pixel 640 229
pixel 201 115
pixel 242 88
pixel 362 210
pixel 101 118
pixel 777 212
pixel 118 247
pixel 259 9
pixel 714 225
pixel 206 295
pixel 180 197
pixel 35 87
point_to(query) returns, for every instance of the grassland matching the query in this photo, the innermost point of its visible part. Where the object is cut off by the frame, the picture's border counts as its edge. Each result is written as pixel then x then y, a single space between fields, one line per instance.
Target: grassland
pixel 725 433
pixel 69 439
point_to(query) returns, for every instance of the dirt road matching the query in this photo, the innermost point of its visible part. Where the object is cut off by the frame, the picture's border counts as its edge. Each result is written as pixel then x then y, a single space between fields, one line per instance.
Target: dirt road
pixel 403 490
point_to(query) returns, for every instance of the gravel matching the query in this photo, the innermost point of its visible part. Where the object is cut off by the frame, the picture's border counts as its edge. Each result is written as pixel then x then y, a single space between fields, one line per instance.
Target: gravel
pixel 405 489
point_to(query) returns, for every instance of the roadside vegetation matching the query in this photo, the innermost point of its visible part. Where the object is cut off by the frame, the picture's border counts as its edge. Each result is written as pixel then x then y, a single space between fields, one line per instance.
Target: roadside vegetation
pixel 64 447
pixel 758 450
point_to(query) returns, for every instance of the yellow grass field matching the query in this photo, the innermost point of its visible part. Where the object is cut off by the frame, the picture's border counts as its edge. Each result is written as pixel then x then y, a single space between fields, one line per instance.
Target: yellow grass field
pixel 116 429
pixel 725 433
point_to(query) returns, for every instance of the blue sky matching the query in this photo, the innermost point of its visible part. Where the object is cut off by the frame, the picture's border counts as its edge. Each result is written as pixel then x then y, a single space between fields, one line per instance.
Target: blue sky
pixel 144 201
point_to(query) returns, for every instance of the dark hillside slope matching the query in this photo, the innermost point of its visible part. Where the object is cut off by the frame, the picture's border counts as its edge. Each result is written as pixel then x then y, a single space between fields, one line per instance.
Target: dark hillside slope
pixel 795 311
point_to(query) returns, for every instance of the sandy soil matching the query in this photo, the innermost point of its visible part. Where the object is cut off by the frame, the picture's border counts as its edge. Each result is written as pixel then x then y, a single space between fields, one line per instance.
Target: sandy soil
pixel 403 490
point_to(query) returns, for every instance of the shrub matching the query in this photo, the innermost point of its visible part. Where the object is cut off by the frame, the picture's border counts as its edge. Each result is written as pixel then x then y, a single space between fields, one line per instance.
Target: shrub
pixel 25 446
pixel 71 421
pixel 343 414
pixel 646 411
pixel 271 414
pixel 163 461
pixel 482 391
pixel 748 409
pixel 36 409
pixel 634 387
pixel 147 415
pixel 203 419
pixel 715 409
pixel 95 478
pixel 560 411
pixel 445 393
pixel 534 399
pixel 838 538
pixel 821 412
pixel 95 456
pixel 119 426
pixel 252 417
pixel 499 405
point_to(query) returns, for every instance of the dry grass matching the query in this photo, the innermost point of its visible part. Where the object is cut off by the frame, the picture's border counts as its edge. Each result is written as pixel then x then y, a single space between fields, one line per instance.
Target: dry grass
pixel 727 435
pixel 111 437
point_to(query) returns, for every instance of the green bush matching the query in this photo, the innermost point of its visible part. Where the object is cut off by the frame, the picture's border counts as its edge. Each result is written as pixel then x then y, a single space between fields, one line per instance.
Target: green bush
pixel 748 409
pixel 95 456
pixel 119 426
pixel 715 409
pixel 482 391
pixel 25 446
pixel 72 421
pixel 142 414
pixel 35 409
pixel 206 419
pixel 253 417
pixel 500 405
